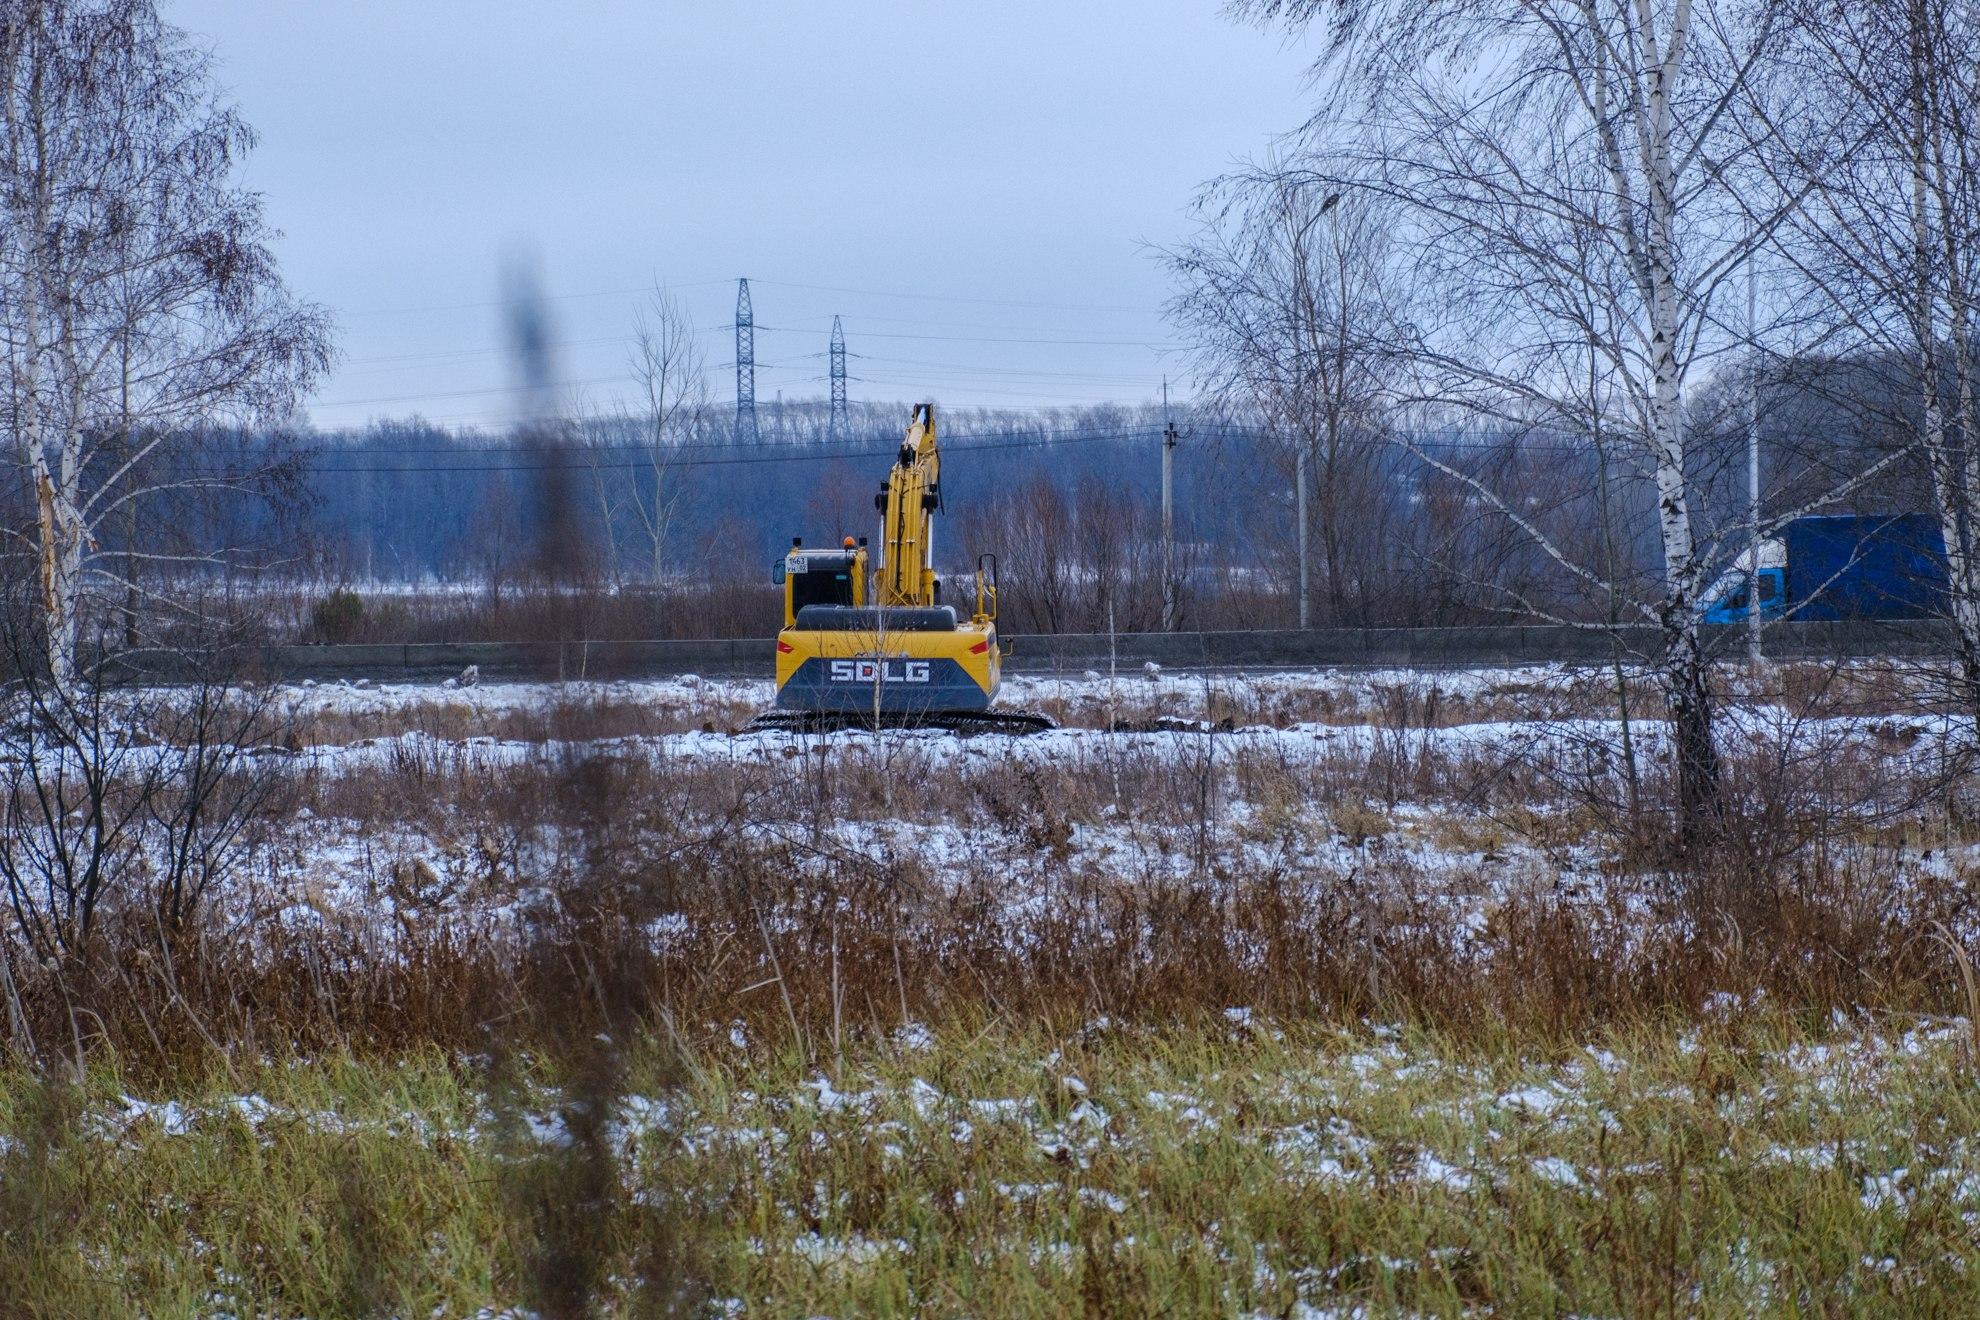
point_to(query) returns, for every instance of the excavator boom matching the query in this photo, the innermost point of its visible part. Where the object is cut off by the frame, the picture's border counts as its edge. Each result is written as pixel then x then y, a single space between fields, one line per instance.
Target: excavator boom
pixel 908 501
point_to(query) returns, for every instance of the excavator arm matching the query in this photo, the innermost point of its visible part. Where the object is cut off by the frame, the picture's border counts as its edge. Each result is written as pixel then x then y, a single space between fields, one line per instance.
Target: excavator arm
pixel 908 502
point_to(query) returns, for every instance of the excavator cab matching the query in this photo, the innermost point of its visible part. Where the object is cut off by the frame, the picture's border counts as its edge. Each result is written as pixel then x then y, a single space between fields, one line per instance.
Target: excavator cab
pixel 821 577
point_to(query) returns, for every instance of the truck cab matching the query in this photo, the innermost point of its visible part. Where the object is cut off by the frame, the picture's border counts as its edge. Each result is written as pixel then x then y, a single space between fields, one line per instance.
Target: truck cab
pixel 1727 600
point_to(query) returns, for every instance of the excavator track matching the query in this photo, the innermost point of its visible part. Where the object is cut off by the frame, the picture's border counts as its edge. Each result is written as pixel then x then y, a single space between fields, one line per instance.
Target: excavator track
pixel 966 722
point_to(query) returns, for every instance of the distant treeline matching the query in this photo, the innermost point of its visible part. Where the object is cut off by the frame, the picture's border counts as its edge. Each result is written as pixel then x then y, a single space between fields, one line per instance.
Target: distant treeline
pixel 407 501
pixel 1069 500
pixel 683 534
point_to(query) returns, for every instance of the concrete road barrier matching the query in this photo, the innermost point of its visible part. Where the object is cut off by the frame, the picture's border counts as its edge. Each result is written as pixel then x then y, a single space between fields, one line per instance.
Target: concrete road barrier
pixel 1072 654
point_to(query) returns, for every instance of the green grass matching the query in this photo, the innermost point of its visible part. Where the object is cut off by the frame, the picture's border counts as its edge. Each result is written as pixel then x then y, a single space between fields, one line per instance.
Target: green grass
pixel 1210 1168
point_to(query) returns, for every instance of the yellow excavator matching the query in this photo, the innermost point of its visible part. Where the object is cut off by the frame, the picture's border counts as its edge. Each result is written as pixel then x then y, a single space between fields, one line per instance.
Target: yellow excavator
pixel 905 659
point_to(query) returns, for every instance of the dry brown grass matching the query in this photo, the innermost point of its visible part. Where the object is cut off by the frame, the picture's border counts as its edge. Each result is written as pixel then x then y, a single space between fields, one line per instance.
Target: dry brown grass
pixel 438 891
pixel 1430 699
pixel 853 884
pixel 580 713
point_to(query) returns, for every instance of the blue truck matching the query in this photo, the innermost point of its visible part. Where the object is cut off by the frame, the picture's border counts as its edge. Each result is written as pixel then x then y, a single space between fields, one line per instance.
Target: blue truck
pixel 1839 566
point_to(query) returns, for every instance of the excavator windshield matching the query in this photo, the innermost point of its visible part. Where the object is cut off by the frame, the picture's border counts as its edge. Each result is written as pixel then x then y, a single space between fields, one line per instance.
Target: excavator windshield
pixel 821 577
pixel 824 581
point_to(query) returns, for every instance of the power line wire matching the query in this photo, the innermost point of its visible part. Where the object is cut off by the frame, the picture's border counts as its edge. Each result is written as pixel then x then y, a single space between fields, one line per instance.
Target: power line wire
pixel 507 420
pixel 957 368
pixel 725 446
pixel 987 339
pixel 574 457
pixel 951 298
pixel 503 302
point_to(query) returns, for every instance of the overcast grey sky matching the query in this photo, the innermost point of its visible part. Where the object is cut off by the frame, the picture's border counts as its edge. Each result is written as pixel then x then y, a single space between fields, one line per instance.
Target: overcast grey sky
pixel 950 177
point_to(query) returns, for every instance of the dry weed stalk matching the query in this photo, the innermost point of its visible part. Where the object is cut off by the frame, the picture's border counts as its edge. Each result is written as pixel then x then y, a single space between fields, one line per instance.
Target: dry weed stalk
pixel 1964 963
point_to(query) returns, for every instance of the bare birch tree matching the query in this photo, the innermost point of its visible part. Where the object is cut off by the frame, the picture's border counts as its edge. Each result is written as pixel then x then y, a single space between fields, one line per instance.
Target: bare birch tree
pixel 139 296
pixel 670 372
pixel 1567 172
pixel 634 453
pixel 1284 295
pixel 1882 139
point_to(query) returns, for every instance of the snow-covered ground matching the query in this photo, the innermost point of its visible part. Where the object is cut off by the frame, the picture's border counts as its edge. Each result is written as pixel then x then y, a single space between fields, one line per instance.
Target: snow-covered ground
pixel 1408 776
pixel 311 699
pixel 1092 691
pixel 1476 717
pixel 1455 785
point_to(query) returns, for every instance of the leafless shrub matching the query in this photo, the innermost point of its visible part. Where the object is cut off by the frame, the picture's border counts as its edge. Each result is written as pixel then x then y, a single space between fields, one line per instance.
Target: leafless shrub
pixel 125 808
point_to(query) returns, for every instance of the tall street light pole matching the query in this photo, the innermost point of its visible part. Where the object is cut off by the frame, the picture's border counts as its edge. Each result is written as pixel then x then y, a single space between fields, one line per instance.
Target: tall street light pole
pixel 1168 513
pixel 1327 206
pixel 1754 655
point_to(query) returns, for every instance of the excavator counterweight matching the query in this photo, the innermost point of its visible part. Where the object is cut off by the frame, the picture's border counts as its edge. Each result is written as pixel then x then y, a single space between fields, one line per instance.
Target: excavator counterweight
pixel 905 659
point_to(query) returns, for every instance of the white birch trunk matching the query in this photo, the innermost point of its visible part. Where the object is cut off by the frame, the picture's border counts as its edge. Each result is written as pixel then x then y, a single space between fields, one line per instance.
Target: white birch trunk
pixel 1685 691
pixel 58 519
pixel 1953 481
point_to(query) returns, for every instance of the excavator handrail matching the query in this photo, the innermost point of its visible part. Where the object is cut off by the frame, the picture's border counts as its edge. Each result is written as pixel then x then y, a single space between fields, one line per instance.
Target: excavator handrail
pixel 986 589
pixel 897 618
